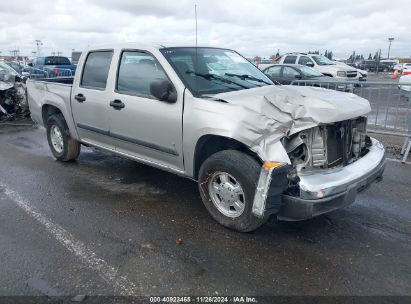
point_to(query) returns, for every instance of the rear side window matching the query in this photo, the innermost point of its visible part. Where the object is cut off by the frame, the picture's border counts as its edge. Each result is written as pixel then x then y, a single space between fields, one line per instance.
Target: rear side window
pixel 96 70
pixel 136 72
pixel 290 72
pixel 290 59
pixel 273 71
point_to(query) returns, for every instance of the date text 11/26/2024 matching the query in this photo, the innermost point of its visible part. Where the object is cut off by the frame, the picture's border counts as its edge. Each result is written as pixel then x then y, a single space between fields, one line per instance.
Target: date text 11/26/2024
pixel 205 299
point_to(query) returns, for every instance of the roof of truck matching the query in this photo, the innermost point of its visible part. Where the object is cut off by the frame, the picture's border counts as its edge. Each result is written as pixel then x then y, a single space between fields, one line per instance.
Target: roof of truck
pixel 138 45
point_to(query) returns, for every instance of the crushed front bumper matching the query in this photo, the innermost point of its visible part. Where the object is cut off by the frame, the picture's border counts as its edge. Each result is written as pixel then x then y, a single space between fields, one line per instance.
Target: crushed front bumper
pixel 324 191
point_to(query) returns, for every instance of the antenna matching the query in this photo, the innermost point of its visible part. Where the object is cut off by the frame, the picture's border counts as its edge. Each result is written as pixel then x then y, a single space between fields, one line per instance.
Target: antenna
pixel 196 60
pixel 195 15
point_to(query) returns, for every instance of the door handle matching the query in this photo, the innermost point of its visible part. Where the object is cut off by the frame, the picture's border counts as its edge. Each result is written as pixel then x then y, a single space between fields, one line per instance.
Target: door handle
pixel 80 97
pixel 117 104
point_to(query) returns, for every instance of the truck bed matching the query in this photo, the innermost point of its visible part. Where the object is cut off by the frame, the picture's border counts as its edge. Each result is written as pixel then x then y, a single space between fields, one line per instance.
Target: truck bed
pixel 64 80
pixel 51 91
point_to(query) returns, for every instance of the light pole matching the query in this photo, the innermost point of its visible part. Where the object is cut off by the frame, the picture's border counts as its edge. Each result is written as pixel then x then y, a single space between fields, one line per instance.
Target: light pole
pixel 389 46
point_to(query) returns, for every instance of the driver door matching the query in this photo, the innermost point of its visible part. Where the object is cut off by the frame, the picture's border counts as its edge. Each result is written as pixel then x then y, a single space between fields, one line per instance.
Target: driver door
pixel 141 125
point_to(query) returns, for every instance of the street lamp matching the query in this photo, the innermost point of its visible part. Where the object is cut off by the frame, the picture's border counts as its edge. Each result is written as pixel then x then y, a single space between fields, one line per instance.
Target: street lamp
pixel 389 46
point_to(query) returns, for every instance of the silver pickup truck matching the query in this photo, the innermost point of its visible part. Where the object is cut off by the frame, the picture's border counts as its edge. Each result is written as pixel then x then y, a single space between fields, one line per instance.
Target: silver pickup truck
pixel 255 148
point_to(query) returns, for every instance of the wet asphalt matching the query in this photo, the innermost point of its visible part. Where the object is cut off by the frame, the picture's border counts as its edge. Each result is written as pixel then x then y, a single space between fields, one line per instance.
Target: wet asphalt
pixel 148 230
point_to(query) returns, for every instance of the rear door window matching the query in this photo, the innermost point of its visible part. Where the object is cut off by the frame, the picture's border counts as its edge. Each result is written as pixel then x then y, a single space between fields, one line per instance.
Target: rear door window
pixel 274 71
pixel 290 59
pixel 96 70
pixel 290 72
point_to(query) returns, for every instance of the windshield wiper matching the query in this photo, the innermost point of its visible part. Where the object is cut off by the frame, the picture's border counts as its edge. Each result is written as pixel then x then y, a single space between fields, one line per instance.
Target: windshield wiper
pixel 216 77
pixel 246 76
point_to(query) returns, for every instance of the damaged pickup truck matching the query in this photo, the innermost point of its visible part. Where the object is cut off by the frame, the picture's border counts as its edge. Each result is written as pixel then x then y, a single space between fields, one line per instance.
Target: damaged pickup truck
pixel 255 148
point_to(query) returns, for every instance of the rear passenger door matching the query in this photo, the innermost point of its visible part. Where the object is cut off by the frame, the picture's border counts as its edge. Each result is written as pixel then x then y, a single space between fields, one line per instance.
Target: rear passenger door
pixel 145 127
pixel 90 99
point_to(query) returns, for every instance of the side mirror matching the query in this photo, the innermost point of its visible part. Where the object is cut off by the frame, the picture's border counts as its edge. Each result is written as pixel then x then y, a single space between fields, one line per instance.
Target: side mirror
pixel 310 64
pixel 163 90
pixel 30 64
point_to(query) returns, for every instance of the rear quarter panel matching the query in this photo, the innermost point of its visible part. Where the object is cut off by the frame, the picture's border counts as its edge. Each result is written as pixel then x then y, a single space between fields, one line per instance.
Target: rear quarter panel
pixel 42 93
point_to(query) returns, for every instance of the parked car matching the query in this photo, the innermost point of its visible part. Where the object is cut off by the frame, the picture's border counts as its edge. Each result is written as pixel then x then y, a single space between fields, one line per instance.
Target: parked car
pixel 390 63
pixel 404 84
pixel 406 69
pixel 373 66
pixel 54 65
pixel 304 75
pixel 256 149
pixel 321 64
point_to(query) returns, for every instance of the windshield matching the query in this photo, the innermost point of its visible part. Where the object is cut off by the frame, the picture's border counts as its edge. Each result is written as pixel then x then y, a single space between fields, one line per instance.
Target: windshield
pixel 321 60
pixel 309 72
pixel 212 71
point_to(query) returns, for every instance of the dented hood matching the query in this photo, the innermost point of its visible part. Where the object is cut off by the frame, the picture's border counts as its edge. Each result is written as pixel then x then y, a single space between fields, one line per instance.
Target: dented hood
pixel 297 108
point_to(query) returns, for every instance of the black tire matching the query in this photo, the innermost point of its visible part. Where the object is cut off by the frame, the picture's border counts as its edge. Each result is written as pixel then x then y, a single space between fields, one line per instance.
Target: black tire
pixel 246 171
pixel 71 147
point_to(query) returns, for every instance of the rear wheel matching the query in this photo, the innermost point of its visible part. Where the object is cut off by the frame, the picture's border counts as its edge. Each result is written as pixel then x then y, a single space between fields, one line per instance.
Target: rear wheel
pixel 62 145
pixel 227 183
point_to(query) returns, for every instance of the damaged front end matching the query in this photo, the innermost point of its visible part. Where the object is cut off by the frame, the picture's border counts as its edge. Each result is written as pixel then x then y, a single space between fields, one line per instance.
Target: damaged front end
pixel 13 98
pixel 330 164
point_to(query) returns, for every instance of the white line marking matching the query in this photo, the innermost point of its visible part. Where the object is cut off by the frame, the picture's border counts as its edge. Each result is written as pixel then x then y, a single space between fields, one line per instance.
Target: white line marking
pixel 397 161
pixel 108 273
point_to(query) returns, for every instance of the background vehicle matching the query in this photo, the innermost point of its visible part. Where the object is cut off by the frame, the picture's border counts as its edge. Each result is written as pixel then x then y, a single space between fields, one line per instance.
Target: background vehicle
pixel 54 65
pixel 398 67
pixel 373 66
pixel 321 64
pixel 256 149
pixel 406 69
pixel 390 64
pixel 361 74
pixel 404 84
pixel 13 99
pixel 17 66
pixel 264 63
pixel 286 74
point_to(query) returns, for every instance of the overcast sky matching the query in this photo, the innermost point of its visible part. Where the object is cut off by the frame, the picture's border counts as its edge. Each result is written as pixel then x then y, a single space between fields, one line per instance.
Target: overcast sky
pixel 253 27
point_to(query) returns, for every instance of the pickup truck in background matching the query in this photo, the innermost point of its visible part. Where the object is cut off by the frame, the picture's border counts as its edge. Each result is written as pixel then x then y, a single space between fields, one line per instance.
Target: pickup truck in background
pixel 54 65
pixel 255 149
pixel 322 64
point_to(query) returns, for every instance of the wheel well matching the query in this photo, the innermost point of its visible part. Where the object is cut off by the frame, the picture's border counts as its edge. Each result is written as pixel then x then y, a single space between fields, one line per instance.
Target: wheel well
pixel 210 144
pixel 47 111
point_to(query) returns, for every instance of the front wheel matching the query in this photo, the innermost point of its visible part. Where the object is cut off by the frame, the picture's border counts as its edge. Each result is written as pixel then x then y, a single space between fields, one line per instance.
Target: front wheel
pixel 62 145
pixel 227 183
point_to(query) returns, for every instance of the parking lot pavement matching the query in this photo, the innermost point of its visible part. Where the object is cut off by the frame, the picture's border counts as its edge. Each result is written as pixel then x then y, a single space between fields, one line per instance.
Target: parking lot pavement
pixel 106 225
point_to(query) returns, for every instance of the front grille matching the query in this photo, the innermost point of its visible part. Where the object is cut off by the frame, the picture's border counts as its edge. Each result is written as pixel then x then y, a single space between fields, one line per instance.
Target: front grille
pixel 339 143
pixel 327 146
